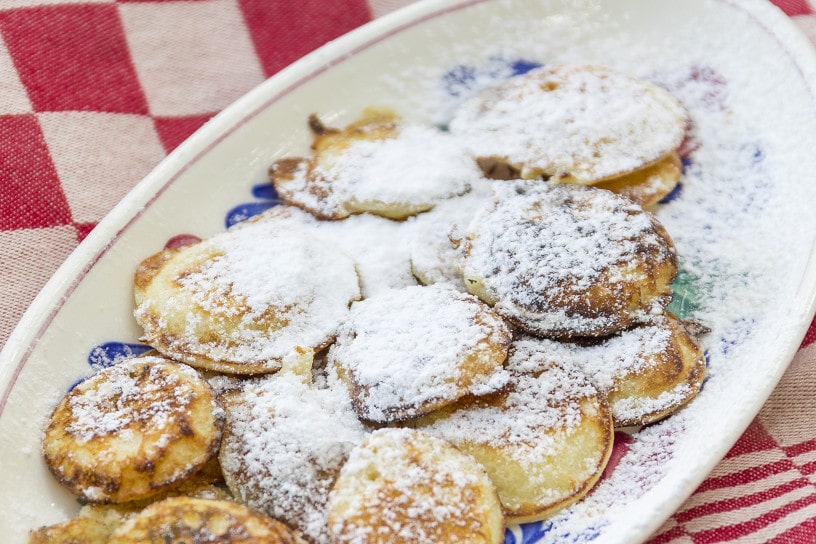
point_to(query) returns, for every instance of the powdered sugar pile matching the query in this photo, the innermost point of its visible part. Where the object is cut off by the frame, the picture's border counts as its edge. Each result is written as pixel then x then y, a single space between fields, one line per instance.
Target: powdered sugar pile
pixel 377 246
pixel 434 256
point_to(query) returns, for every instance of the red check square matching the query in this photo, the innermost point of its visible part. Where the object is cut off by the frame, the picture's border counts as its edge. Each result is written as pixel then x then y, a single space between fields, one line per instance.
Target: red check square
pixel 83 230
pixel 174 130
pixel 73 57
pixel 288 31
pixel 30 195
pixel 794 7
pixel 810 335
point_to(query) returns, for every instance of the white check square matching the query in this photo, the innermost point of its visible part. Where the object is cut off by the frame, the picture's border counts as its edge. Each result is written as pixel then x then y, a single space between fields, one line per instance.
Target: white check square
pixel 96 159
pixel 192 58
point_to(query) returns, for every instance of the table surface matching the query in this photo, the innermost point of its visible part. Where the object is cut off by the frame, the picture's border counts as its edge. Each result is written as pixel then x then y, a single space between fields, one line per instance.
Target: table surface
pixel 93 94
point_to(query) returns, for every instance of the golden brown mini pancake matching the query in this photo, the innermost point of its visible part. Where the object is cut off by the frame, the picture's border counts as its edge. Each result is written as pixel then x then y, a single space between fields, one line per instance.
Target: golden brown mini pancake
pixel 645 186
pixel 568 261
pixel 411 351
pixel 183 520
pixel 283 446
pixel 544 442
pixel 379 164
pixel 245 300
pixel 73 531
pixel 578 124
pixel 404 486
pixel 133 430
pixel 207 483
pixel 649 185
pixel 646 372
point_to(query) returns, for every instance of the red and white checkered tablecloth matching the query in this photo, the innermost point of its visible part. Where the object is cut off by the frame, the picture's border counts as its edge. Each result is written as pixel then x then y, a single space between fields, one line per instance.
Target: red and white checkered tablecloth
pixel 94 93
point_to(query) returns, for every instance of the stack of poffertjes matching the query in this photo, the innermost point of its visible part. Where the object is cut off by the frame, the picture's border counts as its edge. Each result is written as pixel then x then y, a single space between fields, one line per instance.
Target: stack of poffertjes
pixel 290 398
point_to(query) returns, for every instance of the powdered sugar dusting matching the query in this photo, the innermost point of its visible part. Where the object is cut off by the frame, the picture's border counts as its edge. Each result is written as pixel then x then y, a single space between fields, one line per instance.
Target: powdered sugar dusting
pixel 256 270
pixel 407 172
pixel 644 464
pixel 543 403
pixel 548 122
pixel 743 194
pixel 284 446
pixel 128 393
pixel 410 486
pixel 412 346
pixel 540 247
pixel 419 166
pixel 377 246
pixel 609 362
pixel 435 244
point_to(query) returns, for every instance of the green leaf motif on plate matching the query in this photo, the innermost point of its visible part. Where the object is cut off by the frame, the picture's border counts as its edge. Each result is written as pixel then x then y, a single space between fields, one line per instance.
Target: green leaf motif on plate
pixel 686 293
